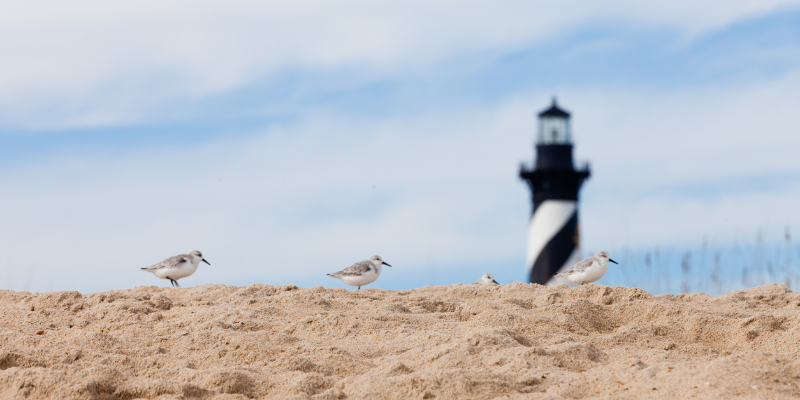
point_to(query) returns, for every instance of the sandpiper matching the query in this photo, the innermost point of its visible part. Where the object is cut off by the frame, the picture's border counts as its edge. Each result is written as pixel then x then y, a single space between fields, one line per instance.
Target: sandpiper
pixel 588 270
pixel 486 279
pixel 177 267
pixel 362 272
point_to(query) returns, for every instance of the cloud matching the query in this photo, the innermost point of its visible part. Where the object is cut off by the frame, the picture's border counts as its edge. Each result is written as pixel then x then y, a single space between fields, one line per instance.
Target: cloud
pixel 670 168
pixel 95 64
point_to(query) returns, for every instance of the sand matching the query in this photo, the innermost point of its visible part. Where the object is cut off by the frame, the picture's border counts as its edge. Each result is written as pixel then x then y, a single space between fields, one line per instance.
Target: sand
pixel 442 342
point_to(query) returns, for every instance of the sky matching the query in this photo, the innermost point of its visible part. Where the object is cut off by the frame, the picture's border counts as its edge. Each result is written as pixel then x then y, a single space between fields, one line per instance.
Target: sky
pixel 289 139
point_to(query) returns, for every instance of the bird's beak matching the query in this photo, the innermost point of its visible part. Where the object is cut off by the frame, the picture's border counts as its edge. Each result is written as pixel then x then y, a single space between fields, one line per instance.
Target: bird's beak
pixel 204 260
pixel 384 263
pixel 613 261
pixel 495 282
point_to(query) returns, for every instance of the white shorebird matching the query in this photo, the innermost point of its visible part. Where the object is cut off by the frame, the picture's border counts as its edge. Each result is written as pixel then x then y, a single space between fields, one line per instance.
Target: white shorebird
pixel 177 267
pixel 362 272
pixel 486 279
pixel 588 270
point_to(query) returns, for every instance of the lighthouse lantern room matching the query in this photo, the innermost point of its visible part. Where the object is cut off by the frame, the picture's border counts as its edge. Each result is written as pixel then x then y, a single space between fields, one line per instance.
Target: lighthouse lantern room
pixel 554 127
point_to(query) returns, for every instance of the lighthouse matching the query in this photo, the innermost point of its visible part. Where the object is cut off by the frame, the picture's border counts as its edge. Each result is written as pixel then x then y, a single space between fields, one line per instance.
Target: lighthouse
pixel 553 234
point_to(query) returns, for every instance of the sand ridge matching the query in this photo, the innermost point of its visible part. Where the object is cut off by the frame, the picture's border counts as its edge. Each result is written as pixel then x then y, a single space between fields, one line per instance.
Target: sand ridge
pixel 444 342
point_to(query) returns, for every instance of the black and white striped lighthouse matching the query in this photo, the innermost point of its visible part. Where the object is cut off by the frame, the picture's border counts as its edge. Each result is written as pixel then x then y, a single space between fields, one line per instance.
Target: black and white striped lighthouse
pixel 553 235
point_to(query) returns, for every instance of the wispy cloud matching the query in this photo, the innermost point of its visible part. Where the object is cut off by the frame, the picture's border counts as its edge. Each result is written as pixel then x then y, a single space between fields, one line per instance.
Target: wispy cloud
pixel 95 64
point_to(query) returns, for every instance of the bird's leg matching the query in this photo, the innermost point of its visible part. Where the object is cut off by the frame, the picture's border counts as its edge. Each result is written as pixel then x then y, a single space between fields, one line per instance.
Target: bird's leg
pixel 359 288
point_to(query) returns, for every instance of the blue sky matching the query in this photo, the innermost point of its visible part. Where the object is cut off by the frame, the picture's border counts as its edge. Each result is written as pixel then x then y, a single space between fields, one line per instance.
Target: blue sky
pixel 290 139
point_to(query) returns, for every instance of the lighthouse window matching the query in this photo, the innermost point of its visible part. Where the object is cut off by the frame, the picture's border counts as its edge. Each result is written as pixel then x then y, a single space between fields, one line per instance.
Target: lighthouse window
pixel 554 130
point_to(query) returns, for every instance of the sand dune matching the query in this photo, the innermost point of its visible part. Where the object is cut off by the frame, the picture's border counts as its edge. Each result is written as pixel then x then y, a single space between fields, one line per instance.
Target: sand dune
pixel 445 342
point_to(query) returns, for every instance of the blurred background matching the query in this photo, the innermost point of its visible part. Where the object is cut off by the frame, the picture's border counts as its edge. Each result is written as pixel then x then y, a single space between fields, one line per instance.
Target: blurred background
pixel 287 140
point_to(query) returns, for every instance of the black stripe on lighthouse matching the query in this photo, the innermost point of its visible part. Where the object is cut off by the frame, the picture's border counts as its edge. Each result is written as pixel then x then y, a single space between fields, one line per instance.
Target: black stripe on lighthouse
pixel 557 253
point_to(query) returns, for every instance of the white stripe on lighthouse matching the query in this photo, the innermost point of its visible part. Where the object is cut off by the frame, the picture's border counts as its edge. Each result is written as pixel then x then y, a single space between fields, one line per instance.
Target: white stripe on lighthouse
pixel 548 219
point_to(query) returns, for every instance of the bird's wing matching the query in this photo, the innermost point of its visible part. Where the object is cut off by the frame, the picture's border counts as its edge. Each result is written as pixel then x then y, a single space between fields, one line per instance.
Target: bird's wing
pixel 478 282
pixel 357 269
pixel 171 262
pixel 582 265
